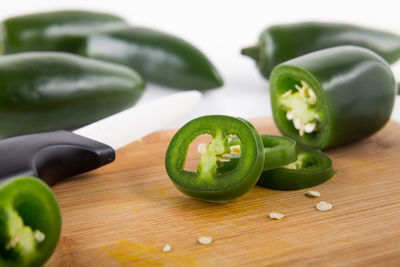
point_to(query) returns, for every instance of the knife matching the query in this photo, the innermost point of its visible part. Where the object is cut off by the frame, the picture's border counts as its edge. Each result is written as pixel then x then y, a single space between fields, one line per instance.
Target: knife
pixel 54 156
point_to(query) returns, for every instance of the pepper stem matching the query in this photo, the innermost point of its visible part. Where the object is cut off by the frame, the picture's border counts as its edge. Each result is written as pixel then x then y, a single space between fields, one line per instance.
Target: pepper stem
pixel 252 51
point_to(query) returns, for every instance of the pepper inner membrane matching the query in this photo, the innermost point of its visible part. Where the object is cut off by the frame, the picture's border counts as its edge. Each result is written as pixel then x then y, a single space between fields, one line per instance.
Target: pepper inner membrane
pixel 18 241
pixel 303 161
pixel 214 155
pixel 300 103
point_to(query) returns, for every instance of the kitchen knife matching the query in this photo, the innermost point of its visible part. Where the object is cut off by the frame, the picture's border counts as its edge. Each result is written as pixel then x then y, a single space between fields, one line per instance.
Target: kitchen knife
pixel 54 156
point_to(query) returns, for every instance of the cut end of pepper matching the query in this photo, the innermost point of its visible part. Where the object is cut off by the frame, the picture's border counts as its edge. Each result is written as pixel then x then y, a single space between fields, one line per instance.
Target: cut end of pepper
pixel 300 104
pixel 22 240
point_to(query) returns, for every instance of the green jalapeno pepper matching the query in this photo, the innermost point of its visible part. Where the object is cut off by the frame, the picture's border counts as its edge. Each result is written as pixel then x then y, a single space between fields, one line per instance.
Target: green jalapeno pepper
pixel 333 96
pixel 157 56
pixel 208 183
pixel 44 91
pixel 53 31
pixel 310 169
pixel 280 43
pixel 30 222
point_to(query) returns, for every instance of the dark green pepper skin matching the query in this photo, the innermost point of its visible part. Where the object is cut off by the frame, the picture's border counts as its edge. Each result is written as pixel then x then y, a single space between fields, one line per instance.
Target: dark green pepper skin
pixel 44 91
pixel 27 205
pixel 316 169
pixel 159 57
pixel 53 31
pixel 355 91
pixel 280 43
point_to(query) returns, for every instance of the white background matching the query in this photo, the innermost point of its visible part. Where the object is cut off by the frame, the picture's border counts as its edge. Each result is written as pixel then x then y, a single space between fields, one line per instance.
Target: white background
pixel 220 29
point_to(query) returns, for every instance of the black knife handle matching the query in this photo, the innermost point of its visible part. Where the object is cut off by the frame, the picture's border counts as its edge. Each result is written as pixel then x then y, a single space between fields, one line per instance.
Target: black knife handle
pixel 51 156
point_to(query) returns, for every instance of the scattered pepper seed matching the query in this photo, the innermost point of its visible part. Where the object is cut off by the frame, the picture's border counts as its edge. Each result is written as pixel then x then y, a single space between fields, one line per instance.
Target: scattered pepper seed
pixel 38 236
pixel 276 215
pixel 205 240
pixel 323 206
pixel 167 248
pixel 313 193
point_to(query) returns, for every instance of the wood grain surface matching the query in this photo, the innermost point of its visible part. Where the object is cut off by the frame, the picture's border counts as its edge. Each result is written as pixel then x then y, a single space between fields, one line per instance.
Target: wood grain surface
pixel 124 213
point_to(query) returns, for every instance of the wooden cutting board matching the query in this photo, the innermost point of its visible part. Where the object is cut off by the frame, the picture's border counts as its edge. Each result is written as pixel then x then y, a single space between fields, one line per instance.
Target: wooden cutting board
pixel 124 213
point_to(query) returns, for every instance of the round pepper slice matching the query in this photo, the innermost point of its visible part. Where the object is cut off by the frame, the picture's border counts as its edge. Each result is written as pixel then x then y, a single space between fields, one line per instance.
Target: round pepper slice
pixel 30 222
pixel 210 182
pixel 310 169
pixel 278 151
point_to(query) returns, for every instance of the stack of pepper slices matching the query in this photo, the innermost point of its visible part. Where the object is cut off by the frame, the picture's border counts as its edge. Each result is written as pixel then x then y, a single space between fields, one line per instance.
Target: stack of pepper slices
pixel 330 85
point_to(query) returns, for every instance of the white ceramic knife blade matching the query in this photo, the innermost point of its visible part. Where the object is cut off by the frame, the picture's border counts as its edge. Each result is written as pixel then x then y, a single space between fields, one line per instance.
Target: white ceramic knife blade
pixel 134 123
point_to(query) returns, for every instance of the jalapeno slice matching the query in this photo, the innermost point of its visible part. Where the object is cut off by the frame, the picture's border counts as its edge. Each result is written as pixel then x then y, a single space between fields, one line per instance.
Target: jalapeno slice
pixel 30 222
pixel 209 182
pixel 278 151
pixel 310 169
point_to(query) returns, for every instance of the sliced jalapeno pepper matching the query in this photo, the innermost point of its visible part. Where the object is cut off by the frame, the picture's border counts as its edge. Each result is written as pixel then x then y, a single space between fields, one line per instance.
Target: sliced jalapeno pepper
pixel 30 222
pixel 333 96
pixel 157 56
pixel 63 30
pixel 280 43
pixel 278 151
pixel 310 169
pixel 208 183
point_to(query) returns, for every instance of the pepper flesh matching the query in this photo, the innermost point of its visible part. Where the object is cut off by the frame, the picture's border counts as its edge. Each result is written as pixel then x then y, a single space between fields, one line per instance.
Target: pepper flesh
pixel 310 169
pixel 159 57
pixel 354 90
pixel 30 222
pixel 280 43
pixel 210 182
pixel 64 30
pixel 45 91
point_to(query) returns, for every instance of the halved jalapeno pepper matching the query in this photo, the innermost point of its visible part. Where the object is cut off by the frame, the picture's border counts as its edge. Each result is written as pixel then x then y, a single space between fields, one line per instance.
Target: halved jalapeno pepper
pixel 209 182
pixel 333 96
pixel 30 222
pixel 310 169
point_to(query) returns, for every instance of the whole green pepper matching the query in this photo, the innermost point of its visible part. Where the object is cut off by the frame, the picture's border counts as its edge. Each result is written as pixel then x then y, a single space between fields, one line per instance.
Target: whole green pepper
pixel 53 31
pixel 30 222
pixel 280 43
pixel 333 96
pixel 159 57
pixel 44 91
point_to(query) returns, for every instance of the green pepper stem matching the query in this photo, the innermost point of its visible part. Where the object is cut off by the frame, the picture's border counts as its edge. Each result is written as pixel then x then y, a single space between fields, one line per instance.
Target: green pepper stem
pixel 2 39
pixel 252 51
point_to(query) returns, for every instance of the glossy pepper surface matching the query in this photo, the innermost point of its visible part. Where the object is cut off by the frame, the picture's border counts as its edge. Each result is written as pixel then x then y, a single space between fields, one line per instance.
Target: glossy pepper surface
pixel 211 181
pixel 53 31
pixel 280 43
pixel 310 169
pixel 44 91
pixel 333 96
pixel 30 222
pixel 159 57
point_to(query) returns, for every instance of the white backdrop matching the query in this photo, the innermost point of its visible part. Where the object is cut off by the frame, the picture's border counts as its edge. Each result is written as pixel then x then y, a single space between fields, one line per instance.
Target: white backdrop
pixel 220 29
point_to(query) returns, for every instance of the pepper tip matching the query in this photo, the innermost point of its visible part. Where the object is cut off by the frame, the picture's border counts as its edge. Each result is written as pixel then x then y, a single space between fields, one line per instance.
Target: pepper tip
pixel 251 51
